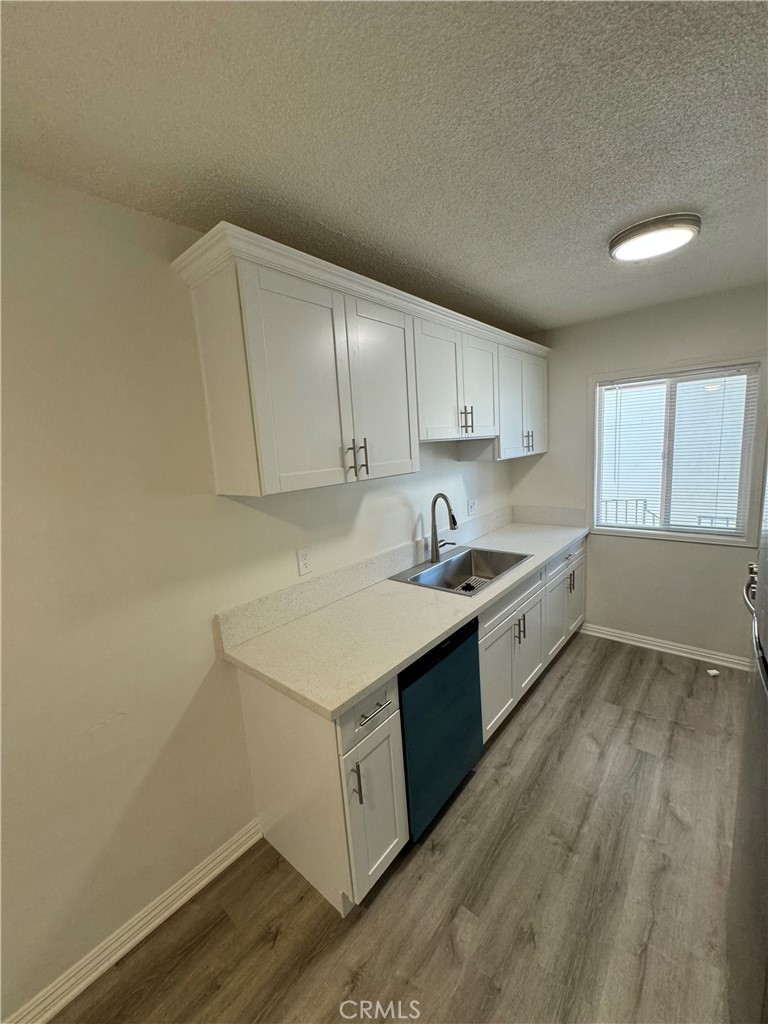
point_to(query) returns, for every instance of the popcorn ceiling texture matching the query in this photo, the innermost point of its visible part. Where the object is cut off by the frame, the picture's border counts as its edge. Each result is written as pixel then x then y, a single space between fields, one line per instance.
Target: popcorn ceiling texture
pixel 477 154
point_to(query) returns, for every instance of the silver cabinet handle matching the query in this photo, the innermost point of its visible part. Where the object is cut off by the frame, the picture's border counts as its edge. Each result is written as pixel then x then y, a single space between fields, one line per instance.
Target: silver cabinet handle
pixel 533 443
pixel 517 632
pixel 364 448
pixel 353 449
pixel 525 628
pixel 472 414
pixel 359 789
pixel 463 420
pixel 365 719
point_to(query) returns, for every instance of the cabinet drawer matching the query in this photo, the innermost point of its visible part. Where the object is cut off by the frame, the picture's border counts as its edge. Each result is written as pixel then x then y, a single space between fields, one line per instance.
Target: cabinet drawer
pixel 367 715
pixel 564 559
pixel 495 615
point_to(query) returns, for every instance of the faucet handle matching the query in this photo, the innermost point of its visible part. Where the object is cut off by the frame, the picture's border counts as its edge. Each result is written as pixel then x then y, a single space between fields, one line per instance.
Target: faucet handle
pixel 446 544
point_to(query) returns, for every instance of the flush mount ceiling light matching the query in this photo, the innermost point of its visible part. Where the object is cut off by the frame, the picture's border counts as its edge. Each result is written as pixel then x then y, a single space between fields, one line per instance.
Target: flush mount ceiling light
pixel 654 237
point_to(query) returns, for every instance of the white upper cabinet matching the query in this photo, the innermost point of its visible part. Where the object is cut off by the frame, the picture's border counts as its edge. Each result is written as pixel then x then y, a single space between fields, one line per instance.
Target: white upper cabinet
pixel 305 386
pixel 299 373
pixel 511 443
pixel 457 376
pixel 535 403
pixel 439 374
pixel 383 379
pixel 314 375
pixel 522 404
pixel 481 386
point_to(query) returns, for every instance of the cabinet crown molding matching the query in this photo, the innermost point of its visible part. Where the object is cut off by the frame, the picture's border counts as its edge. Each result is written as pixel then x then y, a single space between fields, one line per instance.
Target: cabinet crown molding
pixel 225 243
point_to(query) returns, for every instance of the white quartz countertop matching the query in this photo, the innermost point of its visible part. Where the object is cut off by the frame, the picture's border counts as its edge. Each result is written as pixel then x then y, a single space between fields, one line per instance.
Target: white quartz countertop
pixel 331 658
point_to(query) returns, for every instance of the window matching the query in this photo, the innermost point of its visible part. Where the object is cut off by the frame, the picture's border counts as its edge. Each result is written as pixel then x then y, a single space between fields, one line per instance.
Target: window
pixel 674 454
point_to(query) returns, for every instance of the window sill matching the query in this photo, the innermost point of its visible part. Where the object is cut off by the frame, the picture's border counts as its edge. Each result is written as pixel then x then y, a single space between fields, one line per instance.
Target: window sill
pixel 687 538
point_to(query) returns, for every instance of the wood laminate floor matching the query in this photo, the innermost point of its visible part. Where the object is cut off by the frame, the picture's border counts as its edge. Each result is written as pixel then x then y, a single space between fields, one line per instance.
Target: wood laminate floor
pixel 579 875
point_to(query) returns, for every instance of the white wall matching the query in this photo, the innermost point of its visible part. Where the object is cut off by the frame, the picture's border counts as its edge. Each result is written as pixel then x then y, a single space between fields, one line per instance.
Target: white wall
pixel 123 753
pixel 673 590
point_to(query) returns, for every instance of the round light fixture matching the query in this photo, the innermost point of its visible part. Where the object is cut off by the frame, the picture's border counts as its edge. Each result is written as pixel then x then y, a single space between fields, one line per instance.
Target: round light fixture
pixel 654 237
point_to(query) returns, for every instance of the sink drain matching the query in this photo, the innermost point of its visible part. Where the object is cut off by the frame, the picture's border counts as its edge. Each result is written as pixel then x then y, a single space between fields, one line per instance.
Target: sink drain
pixel 473 584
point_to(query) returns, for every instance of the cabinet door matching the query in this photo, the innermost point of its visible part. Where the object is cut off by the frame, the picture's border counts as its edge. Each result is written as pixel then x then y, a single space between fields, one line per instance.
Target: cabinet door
pixel 377 816
pixel 383 379
pixel 554 615
pixel 535 402
pixel 497 693
pixel 439 382
pixel 575 597
pixel 511 443
pixel 481 370
pixel 299 375
pixel 528 649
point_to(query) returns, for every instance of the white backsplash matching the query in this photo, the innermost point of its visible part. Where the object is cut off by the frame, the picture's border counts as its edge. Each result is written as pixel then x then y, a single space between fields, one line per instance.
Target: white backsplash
pixel 246 621
pixel 549 516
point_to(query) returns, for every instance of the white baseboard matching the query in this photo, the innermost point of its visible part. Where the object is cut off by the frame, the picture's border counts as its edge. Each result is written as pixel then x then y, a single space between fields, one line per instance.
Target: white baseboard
pixel 72 982
pixel 699 653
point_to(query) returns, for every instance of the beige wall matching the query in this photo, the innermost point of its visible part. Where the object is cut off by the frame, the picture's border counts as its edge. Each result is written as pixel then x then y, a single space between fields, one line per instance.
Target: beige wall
pixel 123 754
pixel 676 591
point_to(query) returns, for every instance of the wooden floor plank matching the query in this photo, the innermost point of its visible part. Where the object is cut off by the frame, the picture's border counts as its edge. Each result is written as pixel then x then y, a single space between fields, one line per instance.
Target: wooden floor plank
pixel 579 875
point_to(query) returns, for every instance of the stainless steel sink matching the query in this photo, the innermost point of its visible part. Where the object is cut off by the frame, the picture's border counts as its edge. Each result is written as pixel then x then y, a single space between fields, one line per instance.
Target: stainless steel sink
pixel 466 571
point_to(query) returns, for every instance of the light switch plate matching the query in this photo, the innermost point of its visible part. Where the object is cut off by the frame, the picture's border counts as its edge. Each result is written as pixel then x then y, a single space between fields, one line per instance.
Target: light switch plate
pixel 304 559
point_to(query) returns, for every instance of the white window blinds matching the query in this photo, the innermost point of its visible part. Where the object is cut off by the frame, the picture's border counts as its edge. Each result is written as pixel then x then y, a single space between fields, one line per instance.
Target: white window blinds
pixel 674 454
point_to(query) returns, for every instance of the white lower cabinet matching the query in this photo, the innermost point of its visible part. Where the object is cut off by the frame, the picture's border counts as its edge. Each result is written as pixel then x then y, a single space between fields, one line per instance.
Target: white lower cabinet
pixel 377 815
pixel 511 658
pixel 575 597
pixel 497 691
pixel 528 658
pixel 554 631
pixel 330 795
pixel 565 606
pixel 516 651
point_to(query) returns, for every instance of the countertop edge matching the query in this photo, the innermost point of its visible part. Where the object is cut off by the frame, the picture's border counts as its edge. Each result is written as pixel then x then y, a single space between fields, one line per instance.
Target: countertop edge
pixel 335 711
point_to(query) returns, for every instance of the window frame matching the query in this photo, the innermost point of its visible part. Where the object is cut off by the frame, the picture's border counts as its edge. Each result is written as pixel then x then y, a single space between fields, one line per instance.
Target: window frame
pixel 755 471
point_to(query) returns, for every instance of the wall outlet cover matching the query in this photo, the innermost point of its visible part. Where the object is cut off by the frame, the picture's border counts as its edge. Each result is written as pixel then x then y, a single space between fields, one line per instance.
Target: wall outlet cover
pixel 304 558
pixel 471 506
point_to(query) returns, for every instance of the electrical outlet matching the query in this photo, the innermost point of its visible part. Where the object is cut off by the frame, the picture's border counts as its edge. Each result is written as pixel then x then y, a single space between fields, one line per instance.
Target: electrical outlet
pixel 304 559
pixel 471 506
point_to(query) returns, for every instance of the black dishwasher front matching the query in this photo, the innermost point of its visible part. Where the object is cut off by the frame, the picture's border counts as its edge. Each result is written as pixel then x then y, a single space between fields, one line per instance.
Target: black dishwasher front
pixel 442 723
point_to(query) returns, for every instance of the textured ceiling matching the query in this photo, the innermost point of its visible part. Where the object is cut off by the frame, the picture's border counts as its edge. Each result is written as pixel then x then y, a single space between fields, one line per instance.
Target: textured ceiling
pixel 478 154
